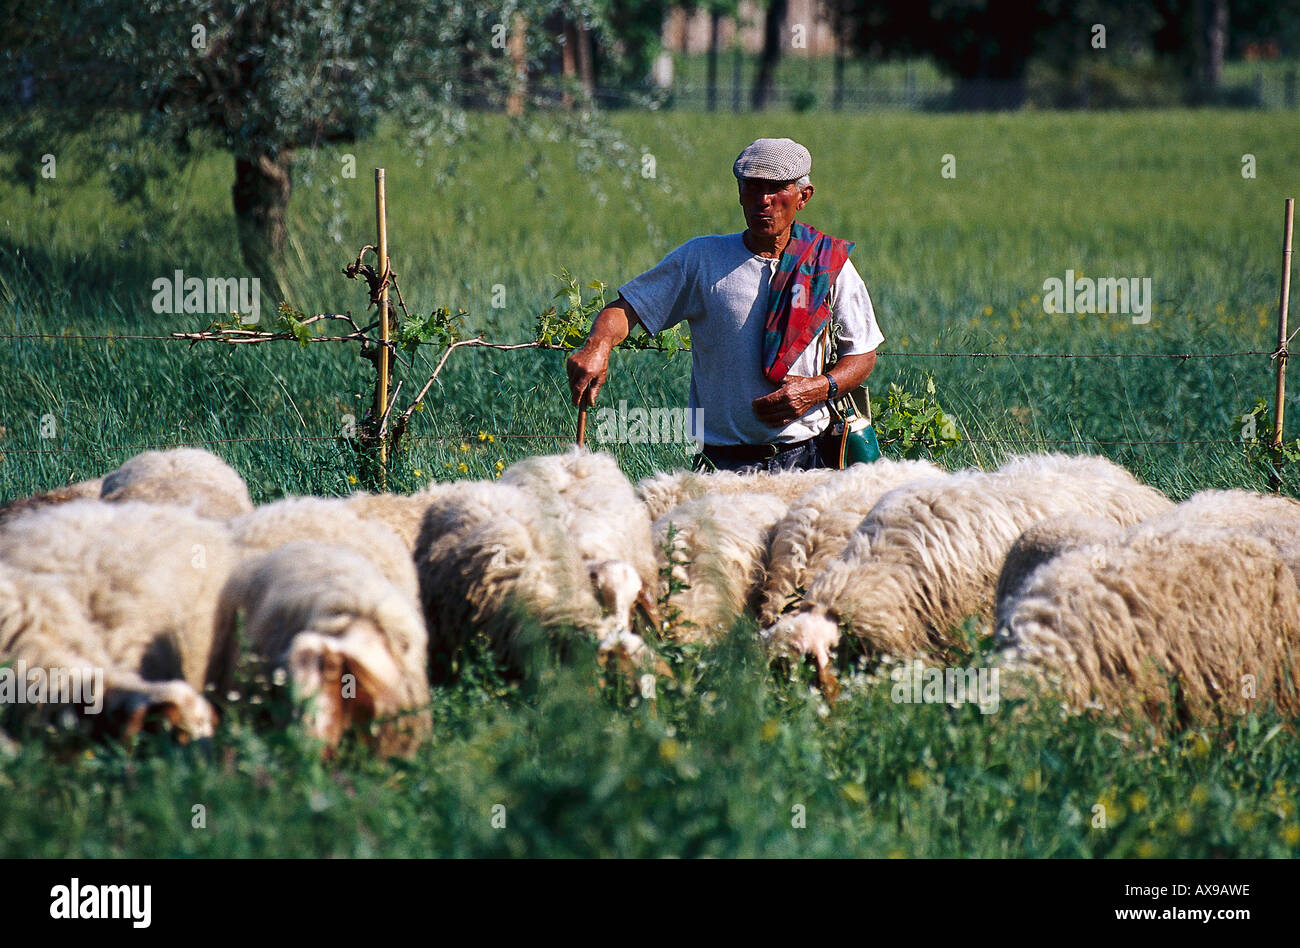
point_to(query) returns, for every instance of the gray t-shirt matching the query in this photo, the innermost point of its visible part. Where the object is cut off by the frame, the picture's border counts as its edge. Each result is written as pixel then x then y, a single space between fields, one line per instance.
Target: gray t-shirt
pixel 720 287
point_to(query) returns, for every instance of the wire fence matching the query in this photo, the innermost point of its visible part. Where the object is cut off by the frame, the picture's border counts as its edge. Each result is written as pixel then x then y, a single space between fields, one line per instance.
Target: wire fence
pixel 193 338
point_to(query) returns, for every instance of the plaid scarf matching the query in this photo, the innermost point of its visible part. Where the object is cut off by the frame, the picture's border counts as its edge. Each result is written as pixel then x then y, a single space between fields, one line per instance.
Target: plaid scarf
pixel 796 299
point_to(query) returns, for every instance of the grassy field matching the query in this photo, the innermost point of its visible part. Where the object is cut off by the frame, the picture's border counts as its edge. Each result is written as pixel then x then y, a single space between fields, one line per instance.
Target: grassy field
pixel 718 764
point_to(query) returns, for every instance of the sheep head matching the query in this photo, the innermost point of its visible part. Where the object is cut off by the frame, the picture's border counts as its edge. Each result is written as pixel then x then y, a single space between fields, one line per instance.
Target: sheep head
pixel 808 633
pixel 174 704
pixel 349 680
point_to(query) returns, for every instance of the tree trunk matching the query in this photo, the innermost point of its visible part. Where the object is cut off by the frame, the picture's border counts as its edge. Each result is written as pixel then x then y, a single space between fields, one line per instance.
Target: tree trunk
pixel 1215 22
pixel 715 22
pixel 517 49
pixel 586 64
pixel 837 91
pixel 568 61
pixel 773 22
pixel 261 198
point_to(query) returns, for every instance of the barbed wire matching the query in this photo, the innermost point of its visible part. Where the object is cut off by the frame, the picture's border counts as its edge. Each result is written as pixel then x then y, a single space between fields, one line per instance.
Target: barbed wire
pixel 254 336
pixel 201 336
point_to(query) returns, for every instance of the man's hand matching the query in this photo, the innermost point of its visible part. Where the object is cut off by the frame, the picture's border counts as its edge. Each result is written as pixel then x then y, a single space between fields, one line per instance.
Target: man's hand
pixel 795 398
pixel 588 366
pixel 799 394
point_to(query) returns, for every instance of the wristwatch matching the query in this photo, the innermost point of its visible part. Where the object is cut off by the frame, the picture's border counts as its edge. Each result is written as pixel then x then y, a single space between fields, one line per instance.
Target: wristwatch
pixel 835 389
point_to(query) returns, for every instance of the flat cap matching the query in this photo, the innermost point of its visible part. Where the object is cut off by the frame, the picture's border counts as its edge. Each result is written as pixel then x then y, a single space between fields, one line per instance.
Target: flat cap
pixel 773 159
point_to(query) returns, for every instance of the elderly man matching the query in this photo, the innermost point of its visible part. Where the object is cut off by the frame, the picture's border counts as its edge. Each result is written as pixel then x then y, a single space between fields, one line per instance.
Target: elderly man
pixel 757 303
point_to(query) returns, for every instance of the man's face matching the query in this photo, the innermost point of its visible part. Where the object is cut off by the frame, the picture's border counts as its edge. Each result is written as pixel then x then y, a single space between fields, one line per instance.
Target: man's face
pixel 770 206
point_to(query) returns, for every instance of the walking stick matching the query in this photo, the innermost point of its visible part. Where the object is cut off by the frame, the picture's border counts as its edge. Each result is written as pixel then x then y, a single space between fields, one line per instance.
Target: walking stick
pixel 582 423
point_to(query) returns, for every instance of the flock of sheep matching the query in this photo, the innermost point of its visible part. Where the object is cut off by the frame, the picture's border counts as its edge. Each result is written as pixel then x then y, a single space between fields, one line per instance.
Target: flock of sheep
pixel 1092 583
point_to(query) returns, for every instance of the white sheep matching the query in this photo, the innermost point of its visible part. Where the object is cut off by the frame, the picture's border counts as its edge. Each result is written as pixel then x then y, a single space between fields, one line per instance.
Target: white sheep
pixel 715 545
pixel 817 527
pixel 401 513
pixel 324 612
pixel 605 519
pixel 608 527
pixel 1212 611
pixel 131 587
pixel 327 520
pixel 929 553
pixel 662 492
pixel 1040 543
pixel 1267 516
pixel 186 477
pixel 497 562
pixel 81 490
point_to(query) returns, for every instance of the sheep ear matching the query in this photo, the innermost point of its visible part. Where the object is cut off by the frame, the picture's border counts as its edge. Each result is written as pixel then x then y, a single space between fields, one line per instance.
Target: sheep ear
pixel 649 609
pixel 345 676
pixel 830 683
pixel 316 669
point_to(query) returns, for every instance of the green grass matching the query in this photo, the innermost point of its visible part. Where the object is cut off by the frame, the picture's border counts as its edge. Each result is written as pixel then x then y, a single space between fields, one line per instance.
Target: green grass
pixel 952 265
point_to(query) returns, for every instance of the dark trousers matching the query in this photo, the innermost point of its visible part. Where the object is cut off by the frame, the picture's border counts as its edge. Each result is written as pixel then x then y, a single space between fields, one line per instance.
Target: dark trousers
pixel 805 457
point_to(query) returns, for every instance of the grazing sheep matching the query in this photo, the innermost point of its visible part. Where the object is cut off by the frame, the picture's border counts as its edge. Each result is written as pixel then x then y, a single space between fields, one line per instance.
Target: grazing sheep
pixel 1042 542
pixel 662 492
pixel 1214 609
pixel 401 513
pixel 323 612
pixel 129 586
pixel 928 554
pixel 817 527
pixel 82 490
pixel 327 520
pixel 718 544
pixel 607 525
pixel 42 626
pixel 494 559
pixel 185 477
pixel 1270 517
pixel 606 520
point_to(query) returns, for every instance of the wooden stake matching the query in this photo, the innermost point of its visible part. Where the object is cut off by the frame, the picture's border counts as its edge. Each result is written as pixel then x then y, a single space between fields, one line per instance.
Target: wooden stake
pixel 1279 414
pixel 381 222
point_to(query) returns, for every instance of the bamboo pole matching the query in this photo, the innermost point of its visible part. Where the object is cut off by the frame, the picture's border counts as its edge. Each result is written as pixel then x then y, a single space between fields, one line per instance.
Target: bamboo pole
pixel 1279 414
pixel 381 222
